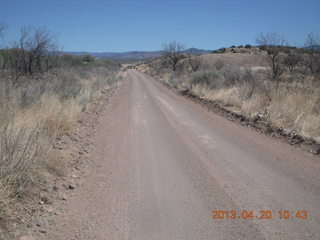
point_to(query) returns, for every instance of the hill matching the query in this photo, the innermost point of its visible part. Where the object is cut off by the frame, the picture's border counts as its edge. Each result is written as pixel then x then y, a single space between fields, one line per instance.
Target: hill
pixel 135 55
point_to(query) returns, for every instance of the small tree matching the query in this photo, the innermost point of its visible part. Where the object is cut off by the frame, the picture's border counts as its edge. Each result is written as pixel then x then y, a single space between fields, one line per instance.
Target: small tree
pixel 3 56
pixel 33 46
pixel 291 60
pixel 172 52
pixel 52 58
pixel 273 44
pixel 194 61
pixel 312 58
pixel 87 58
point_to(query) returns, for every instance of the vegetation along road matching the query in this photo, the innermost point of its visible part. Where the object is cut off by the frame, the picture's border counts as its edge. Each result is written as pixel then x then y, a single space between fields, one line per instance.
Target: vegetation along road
pixel 164 167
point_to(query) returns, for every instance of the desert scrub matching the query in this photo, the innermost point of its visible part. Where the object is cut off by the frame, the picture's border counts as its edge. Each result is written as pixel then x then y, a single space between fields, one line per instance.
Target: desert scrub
pixel 34 111
pixel 20 149
pixel 289 105
pixel 243 83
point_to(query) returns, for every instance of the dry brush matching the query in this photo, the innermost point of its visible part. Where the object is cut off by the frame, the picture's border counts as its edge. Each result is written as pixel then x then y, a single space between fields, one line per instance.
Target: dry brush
pixel 34 111
pixel 245 83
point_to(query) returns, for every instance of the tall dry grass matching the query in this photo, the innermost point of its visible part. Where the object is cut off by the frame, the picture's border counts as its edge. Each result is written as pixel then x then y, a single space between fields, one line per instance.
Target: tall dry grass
pixel 243 83
pixel 35 110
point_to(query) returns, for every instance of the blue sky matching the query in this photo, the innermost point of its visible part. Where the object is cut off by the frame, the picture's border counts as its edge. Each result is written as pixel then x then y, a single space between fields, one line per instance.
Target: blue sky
pixel 125 25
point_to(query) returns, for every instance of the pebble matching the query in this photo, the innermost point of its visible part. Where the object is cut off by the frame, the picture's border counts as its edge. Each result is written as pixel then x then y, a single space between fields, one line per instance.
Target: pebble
pixel 62 197
pixel 315 151
pixel 48 209
pixel 38 223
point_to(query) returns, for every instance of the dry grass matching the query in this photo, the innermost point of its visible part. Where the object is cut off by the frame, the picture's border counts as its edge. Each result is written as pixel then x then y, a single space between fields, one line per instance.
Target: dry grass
pixel 242 83
pixel 234 59
pixel 33 113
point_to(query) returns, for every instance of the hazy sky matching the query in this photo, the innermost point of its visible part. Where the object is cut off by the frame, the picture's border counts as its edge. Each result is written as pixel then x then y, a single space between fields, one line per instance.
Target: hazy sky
pixel 123 25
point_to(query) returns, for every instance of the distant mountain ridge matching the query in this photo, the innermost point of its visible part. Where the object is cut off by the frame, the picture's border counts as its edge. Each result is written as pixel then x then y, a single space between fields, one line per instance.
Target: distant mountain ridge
pixel 133 54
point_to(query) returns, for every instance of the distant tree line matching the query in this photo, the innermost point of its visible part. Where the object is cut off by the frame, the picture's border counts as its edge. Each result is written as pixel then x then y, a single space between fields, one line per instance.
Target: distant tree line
pixel 279 55
pixel 35 51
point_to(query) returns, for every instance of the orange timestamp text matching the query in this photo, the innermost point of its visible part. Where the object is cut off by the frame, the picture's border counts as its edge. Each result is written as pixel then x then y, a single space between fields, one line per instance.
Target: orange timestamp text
pixel 263 214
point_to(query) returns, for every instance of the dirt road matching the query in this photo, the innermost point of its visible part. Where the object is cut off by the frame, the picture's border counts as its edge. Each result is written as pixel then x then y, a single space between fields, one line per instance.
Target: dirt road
pixel 161 164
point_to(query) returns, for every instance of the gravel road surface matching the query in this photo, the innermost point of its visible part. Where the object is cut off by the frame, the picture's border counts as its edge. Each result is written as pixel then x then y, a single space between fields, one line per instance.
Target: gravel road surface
pixel 162 164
